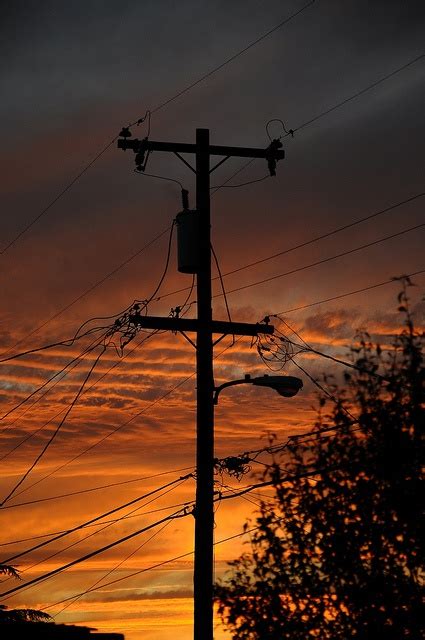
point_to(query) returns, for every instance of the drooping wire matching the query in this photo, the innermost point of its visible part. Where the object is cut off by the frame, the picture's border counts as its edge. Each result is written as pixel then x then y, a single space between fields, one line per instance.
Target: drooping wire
pixel 288 132
pixel 63 343
pixel 153 175
pixel 167 262
pixel 29 436
pixel 180 310
pixel 69 366
pixel 241 184
pixel 56 431
pixel 217 264
pixel 325 391
pixel 90 289
pixel 119 427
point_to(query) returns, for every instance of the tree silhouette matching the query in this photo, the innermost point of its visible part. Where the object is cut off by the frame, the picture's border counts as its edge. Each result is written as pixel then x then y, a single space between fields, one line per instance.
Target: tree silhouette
pixel 339 553
pixel 19 615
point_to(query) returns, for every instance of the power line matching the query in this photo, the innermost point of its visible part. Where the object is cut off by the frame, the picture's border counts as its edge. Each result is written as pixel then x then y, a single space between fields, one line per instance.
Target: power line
pixel 177 514
pixel 104 526
pixel 56 431
pixel 70 366
pixel 168 561
pixel 91 288
pixel 121 426
pixel 228 61
pixel 301 245
pixel 157 108
pixel 310 121
pixel 117 566
pixel 113 521
pixel 91 489
pixel 329 233
pixel 349 293
pixel 58 197
pixel 97 518
pixel 357 94
pixel 323 260
pixel 31 435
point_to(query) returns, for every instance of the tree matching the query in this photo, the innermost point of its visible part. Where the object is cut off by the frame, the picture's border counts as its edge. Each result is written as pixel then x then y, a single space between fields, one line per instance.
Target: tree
pixel 339 553
pixel 19 615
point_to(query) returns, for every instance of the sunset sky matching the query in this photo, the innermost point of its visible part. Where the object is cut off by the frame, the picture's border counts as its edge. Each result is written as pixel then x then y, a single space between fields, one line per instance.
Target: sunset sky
pixel 73 74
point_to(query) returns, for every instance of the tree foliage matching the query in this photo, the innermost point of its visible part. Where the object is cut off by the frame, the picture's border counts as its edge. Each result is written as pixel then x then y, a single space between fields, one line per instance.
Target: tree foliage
pixel 19 615
pixel 339 553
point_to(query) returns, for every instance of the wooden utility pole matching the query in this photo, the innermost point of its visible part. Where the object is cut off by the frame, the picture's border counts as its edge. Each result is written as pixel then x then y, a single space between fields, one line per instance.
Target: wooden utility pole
pixel 205 327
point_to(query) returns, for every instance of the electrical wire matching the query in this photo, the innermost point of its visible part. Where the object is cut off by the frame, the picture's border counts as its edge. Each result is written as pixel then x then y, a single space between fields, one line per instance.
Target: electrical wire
pixel 312 241
pixel 251 455
pixel 56 431
pixel 349 293
pixel 324 260
pixel 323 390
pixel 241 184
pixel 180 513
pixel 103 527
pixel 113 521
pixel 58 197
pixel 153 175
pixel 111 571
pixel 149 113
pixel 228 61
pixel 329 233
pixel 97 518
pixel 167 262
pixel 356 95
pixel 63 343
pixel 70 365
pixel 90 289
pixel 217 264
pixel 31 435
pixel 156 565
pixel 118 428
pixel 177 514
pixel 306 348
pixel 91 489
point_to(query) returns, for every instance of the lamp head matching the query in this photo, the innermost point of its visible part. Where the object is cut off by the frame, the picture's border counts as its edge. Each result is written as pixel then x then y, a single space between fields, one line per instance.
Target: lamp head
pixel 287 386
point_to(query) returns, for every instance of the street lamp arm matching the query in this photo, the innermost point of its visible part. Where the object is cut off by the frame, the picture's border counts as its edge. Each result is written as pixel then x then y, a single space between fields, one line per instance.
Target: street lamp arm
pixel 232 383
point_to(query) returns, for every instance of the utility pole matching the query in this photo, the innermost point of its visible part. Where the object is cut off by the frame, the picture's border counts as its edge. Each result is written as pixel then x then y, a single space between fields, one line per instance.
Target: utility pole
pixel 204 326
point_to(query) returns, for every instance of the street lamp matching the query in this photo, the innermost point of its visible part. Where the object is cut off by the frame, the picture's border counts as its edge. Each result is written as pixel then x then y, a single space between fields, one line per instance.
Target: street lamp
pixel 287 386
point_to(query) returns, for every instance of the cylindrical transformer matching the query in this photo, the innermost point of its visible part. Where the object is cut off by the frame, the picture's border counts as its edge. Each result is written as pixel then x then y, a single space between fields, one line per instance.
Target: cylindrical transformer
pixel 187 223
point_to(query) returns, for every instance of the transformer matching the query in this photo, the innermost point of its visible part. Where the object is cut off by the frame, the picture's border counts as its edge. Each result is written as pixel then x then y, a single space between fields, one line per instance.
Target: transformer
pixel 187 222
